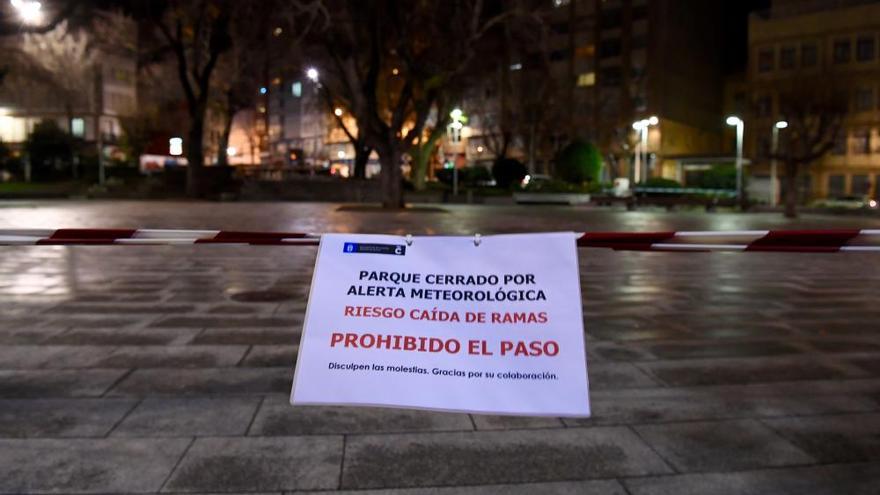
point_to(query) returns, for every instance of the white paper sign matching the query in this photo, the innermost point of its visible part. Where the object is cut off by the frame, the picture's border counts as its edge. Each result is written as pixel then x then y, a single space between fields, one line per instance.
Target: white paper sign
pixel 445 324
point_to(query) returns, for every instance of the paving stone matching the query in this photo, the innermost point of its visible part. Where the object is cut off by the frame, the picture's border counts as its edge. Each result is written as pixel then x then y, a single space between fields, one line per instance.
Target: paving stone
pixel 594 487
pixel 489 422
pixel 640 406
pixel 727 349
pixel 87 465
pixel 871 365
pixel 721 445
pixel 226 322
pixel 612 351
pixel 271 355
pixel 232 309
pixel 21 418
pixel 195 356
pixel 741 371
pixel 48 356
pixel 843 438
pixel 266 336
pixel 628 334
pixel 57 383
pixel 203 381
pixel 618 375
pixel 222 416
pixel 845 346
pixel 123 336
pixel 94 321
pixel 259 464
pixel 468 458
pixel 150 309
pixel 278 418
pixel 853 479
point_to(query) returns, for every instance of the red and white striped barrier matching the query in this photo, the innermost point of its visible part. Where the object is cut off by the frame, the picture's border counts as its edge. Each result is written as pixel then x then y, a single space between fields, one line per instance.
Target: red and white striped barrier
pixel 808 241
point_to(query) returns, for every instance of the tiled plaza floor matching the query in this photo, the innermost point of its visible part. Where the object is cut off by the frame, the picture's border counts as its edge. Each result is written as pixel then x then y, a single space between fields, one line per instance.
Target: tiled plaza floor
pixel 167 369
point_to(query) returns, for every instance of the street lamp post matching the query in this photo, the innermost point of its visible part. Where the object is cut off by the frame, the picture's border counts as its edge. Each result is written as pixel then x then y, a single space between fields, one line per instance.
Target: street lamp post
pixel 774 180
pixel 642 127
pixel 738 123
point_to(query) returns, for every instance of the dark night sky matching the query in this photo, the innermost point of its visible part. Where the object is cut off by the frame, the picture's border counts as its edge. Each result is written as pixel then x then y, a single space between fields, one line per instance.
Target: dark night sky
pixel 736 15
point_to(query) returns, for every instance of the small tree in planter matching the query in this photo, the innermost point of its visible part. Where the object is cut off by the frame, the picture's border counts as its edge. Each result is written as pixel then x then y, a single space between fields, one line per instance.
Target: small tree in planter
pixel 578 163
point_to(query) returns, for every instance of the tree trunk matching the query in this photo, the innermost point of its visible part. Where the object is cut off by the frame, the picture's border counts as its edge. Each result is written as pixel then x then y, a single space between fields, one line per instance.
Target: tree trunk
pixel 392 190
pixel 222 157
pixel 195 157
pixel 421 155
pixel 791 190
pixel 361 157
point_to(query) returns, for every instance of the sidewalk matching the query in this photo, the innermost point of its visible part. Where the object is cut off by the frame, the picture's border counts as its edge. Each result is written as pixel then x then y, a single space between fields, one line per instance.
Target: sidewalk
pixel 166 369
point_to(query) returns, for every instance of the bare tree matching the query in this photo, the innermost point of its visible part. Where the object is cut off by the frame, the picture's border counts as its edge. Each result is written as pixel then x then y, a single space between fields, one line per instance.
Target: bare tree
pixel 197 34
pixel 64 59
pixel 389 61
pixel 815 111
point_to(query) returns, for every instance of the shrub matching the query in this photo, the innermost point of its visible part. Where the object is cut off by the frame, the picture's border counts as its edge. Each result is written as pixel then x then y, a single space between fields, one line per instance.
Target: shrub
pixel 660 182
pixel 579 162
pixel 508 172
pixel 50 149
pixel 717 177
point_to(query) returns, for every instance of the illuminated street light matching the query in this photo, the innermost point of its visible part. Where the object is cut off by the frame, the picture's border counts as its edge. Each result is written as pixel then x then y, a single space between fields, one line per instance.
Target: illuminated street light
pixel 737 122
pixel 456 114
pixel 231 151
pixel 30 11
pixel 642 126
pixel 312 73
pixel 263 90
pixel 175 146
pixel 774 189
pixel 340 154
pixel 337 112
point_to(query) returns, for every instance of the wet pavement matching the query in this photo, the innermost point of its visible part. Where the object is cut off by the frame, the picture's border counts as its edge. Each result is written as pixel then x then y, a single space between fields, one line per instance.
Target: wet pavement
pixel 166 369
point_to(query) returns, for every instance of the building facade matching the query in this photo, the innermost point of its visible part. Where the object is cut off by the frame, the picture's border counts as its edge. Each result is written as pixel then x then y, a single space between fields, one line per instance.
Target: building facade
pixel 62 76
pixel 835 42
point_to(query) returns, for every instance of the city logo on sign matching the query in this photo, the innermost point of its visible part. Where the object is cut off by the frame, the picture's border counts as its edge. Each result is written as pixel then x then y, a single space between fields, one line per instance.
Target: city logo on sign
pixel 355 247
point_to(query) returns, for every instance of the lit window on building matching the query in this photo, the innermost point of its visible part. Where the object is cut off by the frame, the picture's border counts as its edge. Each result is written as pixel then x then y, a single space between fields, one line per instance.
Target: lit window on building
pixel 585 51
pixel 77 127
pixel 836 185
pixel 861 142
pixel 787 56
pixel 863 99
pixel 841 51
pixel 296 89
pixel 586 79
pixel 809 55
pixel 865 48
pixel 861 184
pixel 765 60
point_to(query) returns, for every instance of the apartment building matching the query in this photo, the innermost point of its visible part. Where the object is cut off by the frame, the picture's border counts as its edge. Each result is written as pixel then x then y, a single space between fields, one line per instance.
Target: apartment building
pixel 835 42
